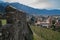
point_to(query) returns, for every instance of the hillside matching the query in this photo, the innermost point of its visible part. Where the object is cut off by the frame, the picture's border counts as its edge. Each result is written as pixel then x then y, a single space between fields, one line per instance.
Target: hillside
pixel 29 9
pixel 45 34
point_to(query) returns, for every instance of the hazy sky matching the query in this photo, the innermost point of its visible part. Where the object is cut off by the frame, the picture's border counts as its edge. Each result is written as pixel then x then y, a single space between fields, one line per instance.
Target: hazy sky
pixel 40 4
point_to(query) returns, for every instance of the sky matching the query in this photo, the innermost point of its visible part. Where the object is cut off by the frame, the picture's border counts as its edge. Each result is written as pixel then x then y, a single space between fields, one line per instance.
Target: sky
pixel 39 4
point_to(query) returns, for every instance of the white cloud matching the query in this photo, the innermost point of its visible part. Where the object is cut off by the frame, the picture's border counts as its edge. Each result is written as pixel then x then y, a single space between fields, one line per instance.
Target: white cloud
pixel 22 1
pixel 40 4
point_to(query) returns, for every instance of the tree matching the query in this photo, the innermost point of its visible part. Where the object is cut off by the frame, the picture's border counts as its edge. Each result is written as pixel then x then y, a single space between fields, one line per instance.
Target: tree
pixel 32 20
pixel 53 24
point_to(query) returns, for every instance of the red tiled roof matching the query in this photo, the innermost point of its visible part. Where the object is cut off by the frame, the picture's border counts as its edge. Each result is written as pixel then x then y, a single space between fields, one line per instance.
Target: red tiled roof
pixel 57 24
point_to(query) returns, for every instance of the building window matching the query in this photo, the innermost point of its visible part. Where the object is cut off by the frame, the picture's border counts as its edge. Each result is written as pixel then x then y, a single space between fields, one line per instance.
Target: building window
pixel 3 21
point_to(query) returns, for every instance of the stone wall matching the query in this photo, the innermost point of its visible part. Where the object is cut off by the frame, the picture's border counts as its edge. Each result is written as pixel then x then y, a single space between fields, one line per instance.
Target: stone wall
pixel 19 28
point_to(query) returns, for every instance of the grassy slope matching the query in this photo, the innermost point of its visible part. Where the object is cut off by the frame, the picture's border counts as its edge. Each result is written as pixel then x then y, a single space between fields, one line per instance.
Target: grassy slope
pixel 45 34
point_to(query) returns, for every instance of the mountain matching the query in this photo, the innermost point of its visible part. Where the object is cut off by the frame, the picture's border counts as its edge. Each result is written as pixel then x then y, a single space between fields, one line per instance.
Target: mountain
pixel 3 6
pixel 31 10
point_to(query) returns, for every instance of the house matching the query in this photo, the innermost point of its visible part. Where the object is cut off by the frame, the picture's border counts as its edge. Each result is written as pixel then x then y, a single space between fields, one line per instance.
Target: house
pixel 44 23
pixel 57 24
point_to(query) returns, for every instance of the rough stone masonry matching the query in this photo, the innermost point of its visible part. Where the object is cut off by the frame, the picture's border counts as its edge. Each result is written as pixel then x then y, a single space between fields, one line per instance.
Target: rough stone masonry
pixel 17 27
